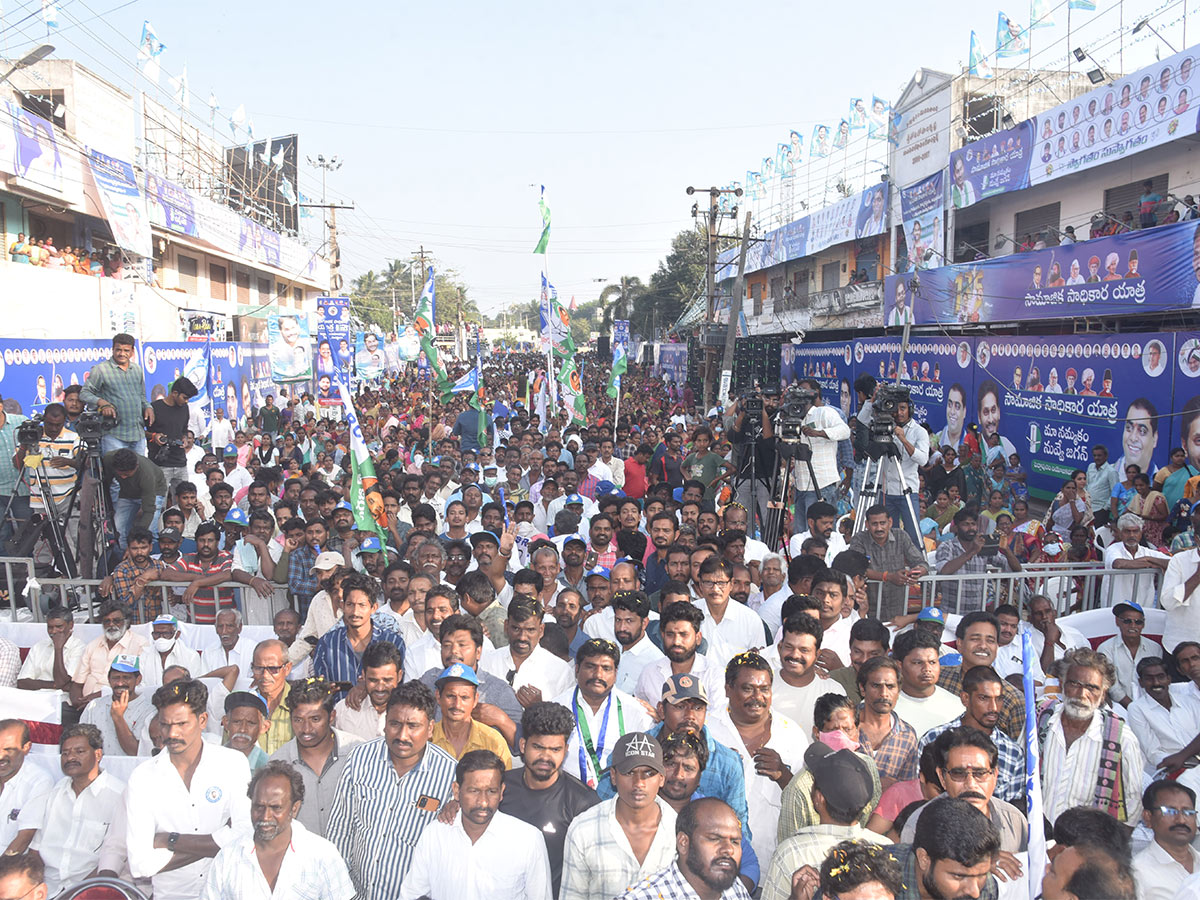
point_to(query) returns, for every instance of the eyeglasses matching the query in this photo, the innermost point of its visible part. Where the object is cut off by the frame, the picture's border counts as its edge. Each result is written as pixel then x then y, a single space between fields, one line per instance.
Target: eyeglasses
pixel 959 773
pixel 1175 811
pixel 708 583
pixel 1132 621
pixel 270 670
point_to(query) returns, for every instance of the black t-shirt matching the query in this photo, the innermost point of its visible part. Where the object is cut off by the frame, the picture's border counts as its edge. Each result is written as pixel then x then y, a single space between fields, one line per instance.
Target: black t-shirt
pixel 171 421
pixel 550 811
pixel 763 455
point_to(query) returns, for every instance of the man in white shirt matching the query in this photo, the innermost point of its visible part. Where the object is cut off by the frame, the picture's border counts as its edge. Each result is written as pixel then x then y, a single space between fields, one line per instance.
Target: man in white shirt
pixel 1010 662
pixel 221 433
pixel 79 824
pixel 534 672
pixel 232 650
pixel 1163 864
pixel 602 712
pixel 382 672
pixel 922 704
pixel 1128 553
pixel 120 715
pixel 822 517
pixel 631 614
pixel 912 445
pixel 1165 716
pixel 1051 640
pixel 19 783
pixel 484 853
pixel 823 428
pixel 283 858
pixel 236 476
pixel 50 663
pixel 1126 649
pixel 679 629
pixel 174 827
pixel 800 683
pixel 167 649
pixel 729 626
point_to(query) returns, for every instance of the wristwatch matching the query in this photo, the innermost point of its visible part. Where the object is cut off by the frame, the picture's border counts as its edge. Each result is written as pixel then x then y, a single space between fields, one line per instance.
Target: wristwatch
pixel 172 840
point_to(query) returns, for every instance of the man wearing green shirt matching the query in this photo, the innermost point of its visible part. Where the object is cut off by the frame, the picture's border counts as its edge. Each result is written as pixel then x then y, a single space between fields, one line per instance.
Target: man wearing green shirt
pixel 268 417
pixel 141 490
pixel 705 466
pixel 117 388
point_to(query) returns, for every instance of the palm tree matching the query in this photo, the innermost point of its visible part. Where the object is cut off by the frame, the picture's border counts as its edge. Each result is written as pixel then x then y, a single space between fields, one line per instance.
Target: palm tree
pixel 623 295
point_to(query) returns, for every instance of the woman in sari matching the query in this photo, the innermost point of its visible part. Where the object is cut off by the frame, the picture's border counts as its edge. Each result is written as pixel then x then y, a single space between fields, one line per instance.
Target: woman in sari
pixel 994 510
pixel 1151 506
pixel 1172 479
pixel 1123 492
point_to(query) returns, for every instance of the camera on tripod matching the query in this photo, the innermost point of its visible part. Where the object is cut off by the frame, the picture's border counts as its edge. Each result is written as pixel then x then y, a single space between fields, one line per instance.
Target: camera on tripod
pixel 92 424
pixel 29 434
pixel 883 411
pixel 797 402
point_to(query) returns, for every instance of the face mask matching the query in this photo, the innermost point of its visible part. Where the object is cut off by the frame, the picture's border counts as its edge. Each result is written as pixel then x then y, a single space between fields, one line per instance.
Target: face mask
pixel 490 482
pixel 164 645
pixel 837 740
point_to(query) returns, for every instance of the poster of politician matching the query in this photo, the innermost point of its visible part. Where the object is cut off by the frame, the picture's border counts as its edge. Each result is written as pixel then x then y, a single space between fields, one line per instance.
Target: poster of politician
pixel 291 347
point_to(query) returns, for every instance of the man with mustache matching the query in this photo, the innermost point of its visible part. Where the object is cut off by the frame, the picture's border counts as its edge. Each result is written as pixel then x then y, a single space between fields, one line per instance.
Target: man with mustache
pixel 1085 749
pixel 1166 716
pixel 84 798
pixel 116 639
pixel 1160 868
pixel 245 715
pixel 185 804
pixel 283 853
pixel 540 792
pixel 619 842
pixel 707 859
pixel 967 761
pixel 483 853
pixel 842 788
pixel 892 741
pixel 532 671
pixel 456 731
pixel 391 789
pixel 120 715
pixel 603 713
pixel 631 615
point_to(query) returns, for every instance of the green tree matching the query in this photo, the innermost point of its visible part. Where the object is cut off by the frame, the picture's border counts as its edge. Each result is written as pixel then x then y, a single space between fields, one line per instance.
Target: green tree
pixel 618 300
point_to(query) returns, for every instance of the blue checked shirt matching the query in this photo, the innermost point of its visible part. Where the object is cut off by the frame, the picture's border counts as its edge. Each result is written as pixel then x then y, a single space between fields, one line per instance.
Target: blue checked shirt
pixel 1010 762
pixel 335 660
pixel 669 884
pixel 123 388
pixel 378 817
pixel 10 479
pixel 302 581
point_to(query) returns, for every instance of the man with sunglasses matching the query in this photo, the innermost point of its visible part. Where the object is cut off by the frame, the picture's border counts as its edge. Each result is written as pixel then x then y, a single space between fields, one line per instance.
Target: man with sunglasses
pixel 1126 649
pixel 1160 868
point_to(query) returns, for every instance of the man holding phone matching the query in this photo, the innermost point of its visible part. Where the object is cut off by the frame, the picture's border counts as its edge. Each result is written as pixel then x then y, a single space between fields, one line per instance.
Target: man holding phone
pixel 970 553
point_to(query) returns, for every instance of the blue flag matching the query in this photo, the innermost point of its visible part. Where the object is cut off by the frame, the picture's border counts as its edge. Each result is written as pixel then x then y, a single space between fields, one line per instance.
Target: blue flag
pixel 978 64
pixel 1011 39
pixel 1033 778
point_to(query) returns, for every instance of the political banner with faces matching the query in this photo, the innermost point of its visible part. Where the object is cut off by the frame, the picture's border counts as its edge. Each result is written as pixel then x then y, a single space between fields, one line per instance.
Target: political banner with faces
pixel 922 209
pixel 672 362
pixel 1052 399
pixel 831 364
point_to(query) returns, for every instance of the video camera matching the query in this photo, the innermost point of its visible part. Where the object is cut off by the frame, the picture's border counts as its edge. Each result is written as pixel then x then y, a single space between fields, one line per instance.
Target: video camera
pixel 92 424
pixel 883 410
pixel 797 401
pixel 29 433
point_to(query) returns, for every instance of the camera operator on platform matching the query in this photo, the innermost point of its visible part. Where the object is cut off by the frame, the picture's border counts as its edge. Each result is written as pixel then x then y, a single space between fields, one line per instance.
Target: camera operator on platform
pixel 61 460
pixel 165 435
pixel 753 437
pixel 823 429
pixel 912 444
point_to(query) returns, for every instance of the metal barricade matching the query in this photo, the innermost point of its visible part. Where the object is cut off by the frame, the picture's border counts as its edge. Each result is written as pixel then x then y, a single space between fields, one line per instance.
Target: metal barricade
pixel 1069 586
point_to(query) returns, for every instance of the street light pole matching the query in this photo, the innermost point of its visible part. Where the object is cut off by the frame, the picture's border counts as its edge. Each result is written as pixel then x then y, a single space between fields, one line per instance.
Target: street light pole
pixel 33 56
pixel 325 165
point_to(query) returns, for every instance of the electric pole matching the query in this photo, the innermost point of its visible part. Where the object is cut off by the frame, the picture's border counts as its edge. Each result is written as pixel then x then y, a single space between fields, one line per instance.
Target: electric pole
pixel 713 218
pixel 735 311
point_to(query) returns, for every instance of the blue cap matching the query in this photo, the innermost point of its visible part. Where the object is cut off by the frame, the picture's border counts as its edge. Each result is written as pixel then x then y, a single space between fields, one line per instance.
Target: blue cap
pixel 471 467
pixel 931 614
pixel 231 449
pixel 458 672
pixel 602 571
pixel 677 495
pixel 951 659
pixel 345 505
pixel 1128 606
pixel 165 619
pixel 370 544
pixel 253 699
pixel 605 487
pixel 573 498
pixel 236 516
pixel 126 662
pixel 483 535
pixel 435 460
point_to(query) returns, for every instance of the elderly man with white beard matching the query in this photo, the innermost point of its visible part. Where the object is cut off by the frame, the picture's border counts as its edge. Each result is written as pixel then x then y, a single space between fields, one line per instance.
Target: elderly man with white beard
pixel 1081 743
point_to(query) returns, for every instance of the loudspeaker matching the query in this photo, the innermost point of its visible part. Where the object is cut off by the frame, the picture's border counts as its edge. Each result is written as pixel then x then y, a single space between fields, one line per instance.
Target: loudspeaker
pixel 755 359
pixel 603 349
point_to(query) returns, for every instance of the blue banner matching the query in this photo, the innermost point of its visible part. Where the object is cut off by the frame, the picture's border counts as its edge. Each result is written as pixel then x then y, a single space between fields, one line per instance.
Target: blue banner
pixel 832 365
pixel 995 165
pixel 672 361
pixel 939 374
pixel 122 202
pixel 170 206
pixel 922 208
pixel 1141 271
pixel 1051 399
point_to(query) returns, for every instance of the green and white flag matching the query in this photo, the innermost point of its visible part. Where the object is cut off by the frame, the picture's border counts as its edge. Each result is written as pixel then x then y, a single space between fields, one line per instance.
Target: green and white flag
pixel 572 391
pixel 620 364
pixel 545 238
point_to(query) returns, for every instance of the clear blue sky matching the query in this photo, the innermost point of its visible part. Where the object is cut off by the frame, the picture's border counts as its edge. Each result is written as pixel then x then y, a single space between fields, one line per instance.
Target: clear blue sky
pixel 445 114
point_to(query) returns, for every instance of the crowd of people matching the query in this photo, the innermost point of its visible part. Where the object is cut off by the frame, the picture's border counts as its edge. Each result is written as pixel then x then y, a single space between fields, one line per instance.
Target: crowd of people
pixel 569 668
pixel 42 252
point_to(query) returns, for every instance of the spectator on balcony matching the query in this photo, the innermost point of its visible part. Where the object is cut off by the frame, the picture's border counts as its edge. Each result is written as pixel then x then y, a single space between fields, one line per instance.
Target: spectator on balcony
pixel 1148 205
pixel 20 251
pixel 1068 237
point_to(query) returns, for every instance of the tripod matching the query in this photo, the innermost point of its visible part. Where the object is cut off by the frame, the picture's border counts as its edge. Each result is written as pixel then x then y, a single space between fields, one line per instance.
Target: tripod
pixel 97 532
pixel 53 524
pixel 879 452
pixel 786 451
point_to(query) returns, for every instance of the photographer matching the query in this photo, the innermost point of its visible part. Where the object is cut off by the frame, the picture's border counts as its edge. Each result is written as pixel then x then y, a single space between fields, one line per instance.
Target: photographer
pixel 753 439
pixel 165 434
pixel 61 459
pixel 14 496
pixel 117 388
pixel 823 428
pixel 912 443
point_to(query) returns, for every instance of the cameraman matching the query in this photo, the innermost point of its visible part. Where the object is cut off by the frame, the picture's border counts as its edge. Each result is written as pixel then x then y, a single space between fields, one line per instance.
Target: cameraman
pixel 165 434
pixel 73 403
pixel 864 390
pixel 753 439
pixel 912 444
pixel 141 490
pixel 823 428
pixel 61 460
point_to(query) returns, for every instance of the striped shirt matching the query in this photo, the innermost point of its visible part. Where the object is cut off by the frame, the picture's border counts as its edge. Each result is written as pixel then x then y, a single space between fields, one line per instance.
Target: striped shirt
pixel 1069 773
pixel 334 658
pixel 378 816
pixel 10 476
pixel 809 847
pixel 204 605
pixel 123 388
pixel 598 863
pixel 59 481
pixel 1010 764
pixel 669 884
